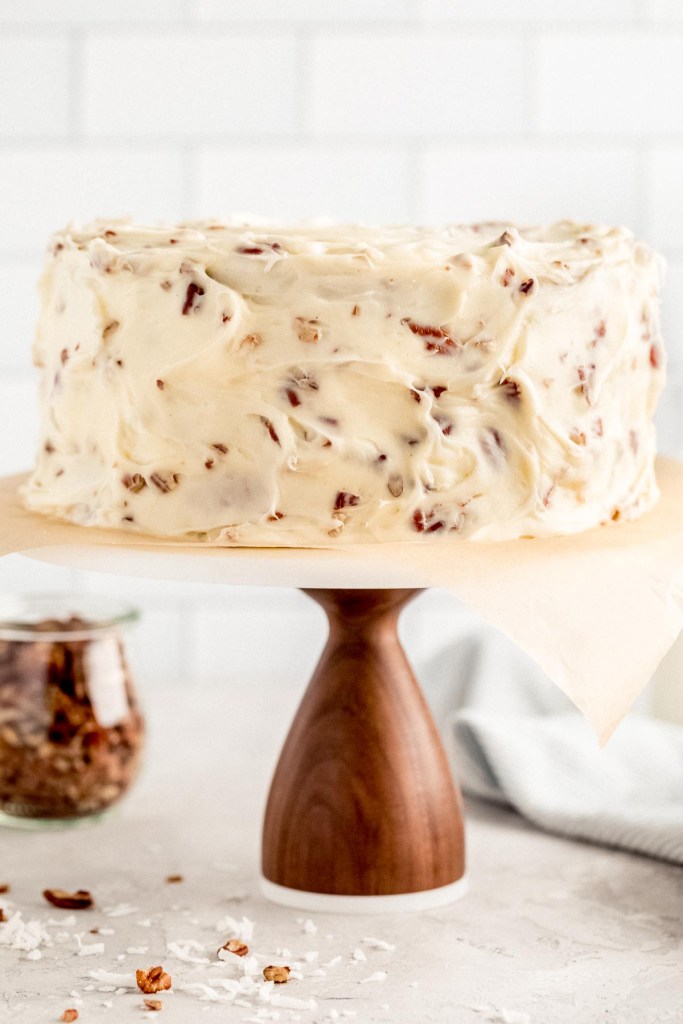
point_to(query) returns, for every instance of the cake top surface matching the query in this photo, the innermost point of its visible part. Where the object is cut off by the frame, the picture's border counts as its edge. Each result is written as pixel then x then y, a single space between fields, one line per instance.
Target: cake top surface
pixel 568 245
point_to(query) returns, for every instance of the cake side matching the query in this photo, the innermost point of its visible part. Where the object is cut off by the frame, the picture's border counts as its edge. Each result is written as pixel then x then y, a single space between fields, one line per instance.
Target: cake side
pixel 273 386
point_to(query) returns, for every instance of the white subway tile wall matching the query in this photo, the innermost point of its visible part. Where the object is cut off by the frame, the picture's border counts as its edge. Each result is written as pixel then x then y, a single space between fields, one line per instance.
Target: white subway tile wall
pixel 34 73
pixel 386 110
pixel 309 177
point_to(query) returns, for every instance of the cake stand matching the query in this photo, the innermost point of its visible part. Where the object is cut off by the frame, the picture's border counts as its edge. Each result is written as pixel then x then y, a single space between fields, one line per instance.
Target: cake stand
pixel 363 813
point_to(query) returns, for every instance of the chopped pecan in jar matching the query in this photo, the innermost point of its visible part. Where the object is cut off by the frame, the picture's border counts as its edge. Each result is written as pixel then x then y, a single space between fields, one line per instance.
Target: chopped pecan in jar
pixel 57 758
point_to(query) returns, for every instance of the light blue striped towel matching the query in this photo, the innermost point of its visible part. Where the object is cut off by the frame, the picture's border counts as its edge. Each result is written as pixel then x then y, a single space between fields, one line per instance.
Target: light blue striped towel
pixel 517 740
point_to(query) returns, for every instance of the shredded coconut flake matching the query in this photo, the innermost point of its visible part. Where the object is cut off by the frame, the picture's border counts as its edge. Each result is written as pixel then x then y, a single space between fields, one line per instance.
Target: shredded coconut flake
pixel 502 1016
pixel 91 949
pixel 250 965
pixel 113 978
pixel 229 984
pixel 120 910
pixel 27 935
pixel 64 922
pixel 183 953
pixel 292 1003
pixel 379 944
pixel 198 988
pixel 243 929
pixel 377 976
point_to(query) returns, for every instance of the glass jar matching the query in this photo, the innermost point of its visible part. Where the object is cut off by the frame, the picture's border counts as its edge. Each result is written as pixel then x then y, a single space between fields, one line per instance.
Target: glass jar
pixel 71 733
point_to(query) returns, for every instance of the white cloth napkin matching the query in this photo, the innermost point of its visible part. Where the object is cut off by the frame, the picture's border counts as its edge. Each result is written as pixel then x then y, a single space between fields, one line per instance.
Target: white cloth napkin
pixel 517 740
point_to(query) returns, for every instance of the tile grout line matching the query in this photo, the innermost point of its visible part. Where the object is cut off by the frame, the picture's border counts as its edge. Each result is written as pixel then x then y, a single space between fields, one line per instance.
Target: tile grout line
pixel 417 182
pixel 552 141
pixel 642 161
pixel 303 82
pixel 532 82
pixel 189 179
pixel 76 90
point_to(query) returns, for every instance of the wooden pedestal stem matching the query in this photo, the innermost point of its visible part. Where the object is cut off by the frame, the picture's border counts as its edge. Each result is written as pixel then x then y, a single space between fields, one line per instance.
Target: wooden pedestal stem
pixel 363 802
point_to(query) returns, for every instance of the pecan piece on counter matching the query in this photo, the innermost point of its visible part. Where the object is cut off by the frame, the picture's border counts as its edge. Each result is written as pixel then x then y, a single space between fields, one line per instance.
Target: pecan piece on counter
pixel 280 975
pixel 78 900
pixel 153 980
pixel 234 946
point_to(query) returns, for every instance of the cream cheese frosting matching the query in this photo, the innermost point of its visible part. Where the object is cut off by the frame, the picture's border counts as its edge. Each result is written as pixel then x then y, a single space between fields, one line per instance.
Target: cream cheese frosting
pixel 300 385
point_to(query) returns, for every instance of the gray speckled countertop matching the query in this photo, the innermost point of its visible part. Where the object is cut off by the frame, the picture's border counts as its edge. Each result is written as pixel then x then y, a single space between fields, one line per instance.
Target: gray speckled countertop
pixel 552 932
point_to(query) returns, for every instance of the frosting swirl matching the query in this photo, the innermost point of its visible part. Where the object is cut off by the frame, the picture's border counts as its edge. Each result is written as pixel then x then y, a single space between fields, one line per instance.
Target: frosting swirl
pixel 270 385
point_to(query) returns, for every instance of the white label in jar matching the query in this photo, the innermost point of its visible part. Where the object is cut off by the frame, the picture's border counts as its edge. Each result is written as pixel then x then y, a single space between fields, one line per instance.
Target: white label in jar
pixel 106 681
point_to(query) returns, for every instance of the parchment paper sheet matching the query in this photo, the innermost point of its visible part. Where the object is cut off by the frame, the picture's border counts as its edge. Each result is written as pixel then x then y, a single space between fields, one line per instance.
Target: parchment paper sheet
pixel 597 611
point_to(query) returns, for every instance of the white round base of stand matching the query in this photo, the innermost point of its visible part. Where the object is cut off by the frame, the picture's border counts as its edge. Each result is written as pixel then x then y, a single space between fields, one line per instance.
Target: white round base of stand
pixel 398 903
